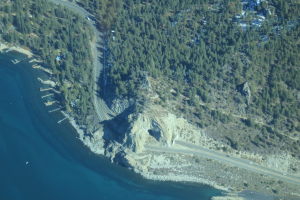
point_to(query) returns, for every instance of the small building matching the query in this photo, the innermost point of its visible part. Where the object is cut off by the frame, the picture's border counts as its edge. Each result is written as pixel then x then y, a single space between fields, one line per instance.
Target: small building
pixel 257 22
pixel 261 17
pixel 243 26
pixel 58 58
pixel 238 16
pixel 264 38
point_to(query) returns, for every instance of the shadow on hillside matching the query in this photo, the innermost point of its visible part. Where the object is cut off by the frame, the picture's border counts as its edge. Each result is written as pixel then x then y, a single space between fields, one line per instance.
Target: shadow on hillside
pixel 115 129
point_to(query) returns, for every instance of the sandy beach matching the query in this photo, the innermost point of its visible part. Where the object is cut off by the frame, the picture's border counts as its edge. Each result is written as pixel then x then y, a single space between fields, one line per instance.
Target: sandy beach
pixel 5 47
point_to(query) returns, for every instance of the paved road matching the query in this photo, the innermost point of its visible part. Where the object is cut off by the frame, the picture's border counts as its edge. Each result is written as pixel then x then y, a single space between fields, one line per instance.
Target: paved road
pixel 102 110
pixel 191 149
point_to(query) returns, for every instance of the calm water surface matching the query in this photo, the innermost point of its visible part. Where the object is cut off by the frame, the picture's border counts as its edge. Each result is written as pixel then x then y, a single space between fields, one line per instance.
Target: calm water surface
pixel 60 167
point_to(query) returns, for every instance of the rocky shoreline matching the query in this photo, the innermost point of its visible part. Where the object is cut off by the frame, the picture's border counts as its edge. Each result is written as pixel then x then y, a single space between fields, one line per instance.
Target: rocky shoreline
pixel 158 127
pixel 96 143
pixel 127 146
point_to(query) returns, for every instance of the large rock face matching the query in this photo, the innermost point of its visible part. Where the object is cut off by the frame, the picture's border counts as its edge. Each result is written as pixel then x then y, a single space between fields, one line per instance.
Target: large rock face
pixel 157 126
pixel 151 126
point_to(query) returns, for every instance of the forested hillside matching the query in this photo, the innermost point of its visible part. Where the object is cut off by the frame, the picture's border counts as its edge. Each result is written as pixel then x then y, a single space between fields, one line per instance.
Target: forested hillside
pixel 61 39
pixel 230 67
pixel 231 64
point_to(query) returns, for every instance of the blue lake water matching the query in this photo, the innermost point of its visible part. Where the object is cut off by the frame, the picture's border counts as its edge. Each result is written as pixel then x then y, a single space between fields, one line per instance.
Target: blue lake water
pixel 60 167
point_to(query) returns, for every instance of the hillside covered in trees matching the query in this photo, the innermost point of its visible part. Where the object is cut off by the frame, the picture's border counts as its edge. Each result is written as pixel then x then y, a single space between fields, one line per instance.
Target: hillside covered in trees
pixel 226 64
pixel 230 67
pixel 61 39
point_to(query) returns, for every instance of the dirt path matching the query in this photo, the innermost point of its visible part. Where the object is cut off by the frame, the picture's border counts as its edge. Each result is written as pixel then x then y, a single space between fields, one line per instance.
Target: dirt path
pixel 102 110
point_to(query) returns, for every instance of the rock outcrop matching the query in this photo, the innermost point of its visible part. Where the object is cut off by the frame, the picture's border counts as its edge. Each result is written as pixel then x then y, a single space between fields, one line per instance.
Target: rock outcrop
pixel 149 127
pixel 153 126
pixel 118 106
pixel 245 90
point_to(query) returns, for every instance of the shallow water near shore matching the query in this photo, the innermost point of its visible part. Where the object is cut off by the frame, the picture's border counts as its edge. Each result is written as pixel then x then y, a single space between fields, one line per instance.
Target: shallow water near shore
pixel 41 159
